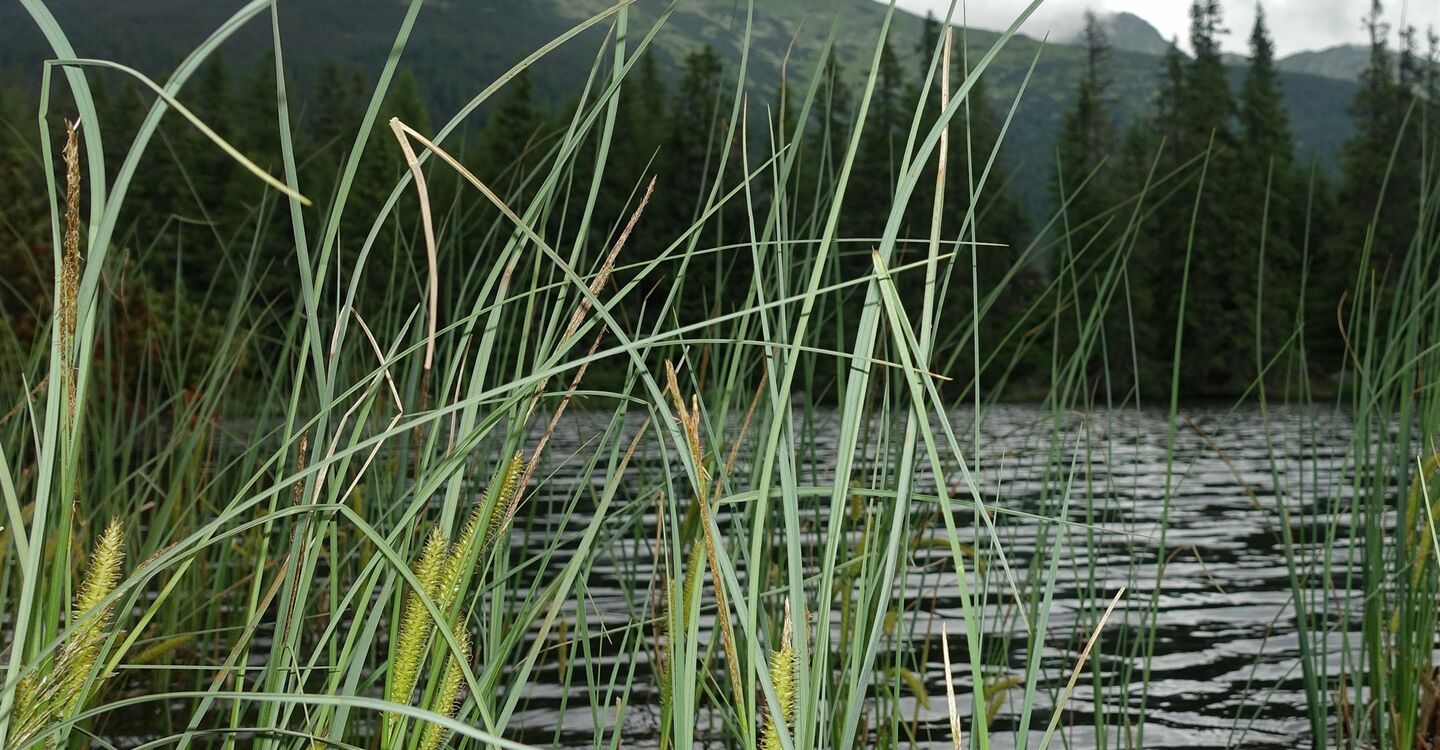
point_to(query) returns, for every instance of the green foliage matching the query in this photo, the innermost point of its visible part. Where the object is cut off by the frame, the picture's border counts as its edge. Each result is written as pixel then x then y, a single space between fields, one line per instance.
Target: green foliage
pixel 671 123
pixel 288 482
pixel 1090 183
pixel 24 227
pixel 1383 168
pixel 1273 197
pixel 509 145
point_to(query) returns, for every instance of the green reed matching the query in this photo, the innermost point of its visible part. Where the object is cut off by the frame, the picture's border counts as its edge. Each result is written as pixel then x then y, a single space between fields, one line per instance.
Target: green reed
pixel 313 565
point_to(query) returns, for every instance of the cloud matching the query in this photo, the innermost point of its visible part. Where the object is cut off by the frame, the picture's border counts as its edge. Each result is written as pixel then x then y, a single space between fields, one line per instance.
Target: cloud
pixel 1296 25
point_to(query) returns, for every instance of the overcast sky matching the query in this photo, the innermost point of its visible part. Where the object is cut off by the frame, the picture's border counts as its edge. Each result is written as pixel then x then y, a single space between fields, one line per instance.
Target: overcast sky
pixel 1296 24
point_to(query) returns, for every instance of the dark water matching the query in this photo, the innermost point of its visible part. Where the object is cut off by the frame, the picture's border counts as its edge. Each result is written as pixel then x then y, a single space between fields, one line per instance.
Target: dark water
pixel 1225 671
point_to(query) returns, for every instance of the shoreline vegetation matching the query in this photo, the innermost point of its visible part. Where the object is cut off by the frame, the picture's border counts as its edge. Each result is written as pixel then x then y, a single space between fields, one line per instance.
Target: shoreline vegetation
pixel 399 562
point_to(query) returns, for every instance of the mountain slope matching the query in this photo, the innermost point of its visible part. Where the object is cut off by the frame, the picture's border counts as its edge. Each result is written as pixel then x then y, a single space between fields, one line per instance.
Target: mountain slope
pixel 460 46
pixel 1345 62
pixel 1131 33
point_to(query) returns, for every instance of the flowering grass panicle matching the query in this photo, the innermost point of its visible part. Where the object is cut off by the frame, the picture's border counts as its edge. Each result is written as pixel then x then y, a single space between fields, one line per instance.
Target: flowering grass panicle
pixel 782 675
pixel 447 696
pixel 441 570
pixel 59 691
pixel 415 621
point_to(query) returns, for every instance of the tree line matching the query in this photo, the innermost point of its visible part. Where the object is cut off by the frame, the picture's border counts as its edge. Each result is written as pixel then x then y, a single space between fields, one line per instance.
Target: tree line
pixel 1204 194
pixel 1274 243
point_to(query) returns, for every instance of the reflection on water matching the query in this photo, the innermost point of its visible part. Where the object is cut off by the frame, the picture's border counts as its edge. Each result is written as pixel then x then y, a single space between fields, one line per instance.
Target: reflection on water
pixel 1225 668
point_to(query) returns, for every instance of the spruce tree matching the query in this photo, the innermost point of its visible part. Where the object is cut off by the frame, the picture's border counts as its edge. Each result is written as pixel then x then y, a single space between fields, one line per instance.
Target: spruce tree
pixel 1375 203
pixel 987 212
pixel 636 156
pixel 1272 221
pixel 999 217
pixel 826 139
pixel 1156 262
pixel 693 154
pixel 1087 140
pixel 1265 125
pixel 1220 301
pixel 1086 184
pixel 692 148
pixel 338 110
pixel 258 214
pixel 641 126
pixel 929 45
pixel 877 168
pixel 1378 112
pixel 1168 100
pixel 208 167
pixel 1206 102
pixel 829 135
pixel 393 255
pixel 509 143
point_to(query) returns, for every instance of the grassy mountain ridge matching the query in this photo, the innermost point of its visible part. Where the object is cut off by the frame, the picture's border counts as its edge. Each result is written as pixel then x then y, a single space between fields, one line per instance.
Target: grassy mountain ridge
pixel 1132 33
pixel 1344 62
pixel 460 47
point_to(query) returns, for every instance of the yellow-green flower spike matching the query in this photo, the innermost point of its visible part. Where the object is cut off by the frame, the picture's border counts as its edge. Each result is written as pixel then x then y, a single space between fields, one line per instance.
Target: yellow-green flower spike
pixel 782 675
pixel 505 489
pixel 416 622
pixel 104 571
pixel 57 691
pixel 447 697
pixel 81 651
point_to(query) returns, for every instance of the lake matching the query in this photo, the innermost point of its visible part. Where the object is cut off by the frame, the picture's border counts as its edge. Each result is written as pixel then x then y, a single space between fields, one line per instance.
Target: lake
pixel 1225 669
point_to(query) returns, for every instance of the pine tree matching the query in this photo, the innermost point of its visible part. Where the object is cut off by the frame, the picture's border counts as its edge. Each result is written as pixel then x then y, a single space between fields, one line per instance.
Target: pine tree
pixel 1196 112
pixel 208 167
pixel 692 157
pixel 1086 183
pixel 1273 188
pixel 830 134
pixel 509 144
pixel 1264 122
pixel 877 168
pixel 1087 140
pixel 1375 204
